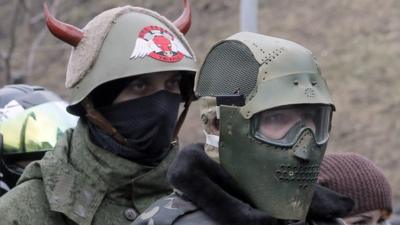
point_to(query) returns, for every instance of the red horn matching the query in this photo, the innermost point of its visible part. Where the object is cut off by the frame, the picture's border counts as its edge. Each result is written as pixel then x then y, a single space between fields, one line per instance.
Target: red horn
pixel 65 32
pixel 185 20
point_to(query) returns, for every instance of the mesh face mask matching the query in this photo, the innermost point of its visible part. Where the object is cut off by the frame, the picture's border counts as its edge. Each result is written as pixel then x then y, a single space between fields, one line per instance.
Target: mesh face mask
pixel 222 66
pixel 275 112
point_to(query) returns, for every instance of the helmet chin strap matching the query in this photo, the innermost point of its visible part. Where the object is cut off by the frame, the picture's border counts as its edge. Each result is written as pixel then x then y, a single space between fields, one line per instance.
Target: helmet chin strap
pixel 95 117
pixel 181 119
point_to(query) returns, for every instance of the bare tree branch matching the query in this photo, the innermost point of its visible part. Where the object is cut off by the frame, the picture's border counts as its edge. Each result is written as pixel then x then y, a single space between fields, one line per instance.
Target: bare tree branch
pixel 35 19
pixel 24 6
pixel 10 50
pixel 38 40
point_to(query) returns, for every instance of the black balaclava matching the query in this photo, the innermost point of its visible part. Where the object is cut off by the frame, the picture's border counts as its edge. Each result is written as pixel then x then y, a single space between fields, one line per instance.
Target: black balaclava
pixel 147 123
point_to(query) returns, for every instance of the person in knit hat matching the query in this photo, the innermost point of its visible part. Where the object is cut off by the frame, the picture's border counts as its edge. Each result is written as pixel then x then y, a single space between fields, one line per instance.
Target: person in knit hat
pixel 357 177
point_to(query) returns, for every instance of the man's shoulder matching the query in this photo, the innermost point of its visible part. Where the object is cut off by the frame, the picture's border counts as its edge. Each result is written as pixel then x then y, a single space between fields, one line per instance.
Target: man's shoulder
pixel 172 209
pixel 25 192
pixel 25 204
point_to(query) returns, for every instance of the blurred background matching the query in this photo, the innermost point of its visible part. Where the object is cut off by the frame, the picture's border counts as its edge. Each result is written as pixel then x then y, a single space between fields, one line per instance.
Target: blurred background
pixel 356 42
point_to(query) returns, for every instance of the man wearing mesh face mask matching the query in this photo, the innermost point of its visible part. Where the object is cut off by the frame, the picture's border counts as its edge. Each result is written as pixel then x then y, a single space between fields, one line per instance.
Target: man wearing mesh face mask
pixel 274 113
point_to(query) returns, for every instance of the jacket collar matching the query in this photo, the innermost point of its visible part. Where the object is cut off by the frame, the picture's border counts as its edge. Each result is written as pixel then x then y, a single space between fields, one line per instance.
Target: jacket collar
pixel 219 196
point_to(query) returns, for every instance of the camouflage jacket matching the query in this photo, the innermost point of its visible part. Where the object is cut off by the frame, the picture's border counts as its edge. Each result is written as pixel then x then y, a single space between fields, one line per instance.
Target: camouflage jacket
pixel 173 209
pixel 80 183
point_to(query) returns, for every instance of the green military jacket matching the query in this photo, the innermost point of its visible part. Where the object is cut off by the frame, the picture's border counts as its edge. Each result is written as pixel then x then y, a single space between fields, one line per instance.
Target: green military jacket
pixel 81 183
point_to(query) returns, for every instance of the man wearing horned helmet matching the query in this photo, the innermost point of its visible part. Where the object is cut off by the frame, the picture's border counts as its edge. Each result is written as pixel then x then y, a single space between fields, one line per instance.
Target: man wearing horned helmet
pixel 129 70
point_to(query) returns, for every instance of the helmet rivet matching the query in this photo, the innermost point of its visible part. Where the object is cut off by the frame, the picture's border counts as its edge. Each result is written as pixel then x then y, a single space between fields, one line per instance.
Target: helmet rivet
pixel 296 82
pixel 314 82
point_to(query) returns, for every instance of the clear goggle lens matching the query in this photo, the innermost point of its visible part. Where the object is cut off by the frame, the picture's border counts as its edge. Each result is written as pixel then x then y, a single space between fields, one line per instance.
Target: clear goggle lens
pixel 282 126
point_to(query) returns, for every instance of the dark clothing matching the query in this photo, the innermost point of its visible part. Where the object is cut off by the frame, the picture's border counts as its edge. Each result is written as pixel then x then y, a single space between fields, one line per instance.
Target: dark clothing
pixel 146 123
pixel 209 196
pixel 177 210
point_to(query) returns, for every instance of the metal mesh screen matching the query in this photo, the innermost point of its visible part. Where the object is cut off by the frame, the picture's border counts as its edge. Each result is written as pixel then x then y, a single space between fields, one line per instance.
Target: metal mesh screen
pixel 230 68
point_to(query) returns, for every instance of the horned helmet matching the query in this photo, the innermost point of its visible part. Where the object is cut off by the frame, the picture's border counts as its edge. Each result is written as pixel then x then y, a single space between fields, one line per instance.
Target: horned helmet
pixel 274 118
pixel 124 42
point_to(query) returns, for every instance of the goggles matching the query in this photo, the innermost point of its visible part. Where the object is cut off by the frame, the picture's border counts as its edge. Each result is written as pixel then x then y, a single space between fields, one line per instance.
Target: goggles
pixel 282 126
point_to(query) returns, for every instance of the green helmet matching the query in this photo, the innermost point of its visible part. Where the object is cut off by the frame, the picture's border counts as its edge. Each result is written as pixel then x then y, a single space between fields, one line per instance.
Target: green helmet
pixel 275 114
pixel 122 42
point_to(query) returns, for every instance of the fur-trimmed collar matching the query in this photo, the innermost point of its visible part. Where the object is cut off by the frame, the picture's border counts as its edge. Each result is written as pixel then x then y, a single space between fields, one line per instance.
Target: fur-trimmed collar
pixel 206 184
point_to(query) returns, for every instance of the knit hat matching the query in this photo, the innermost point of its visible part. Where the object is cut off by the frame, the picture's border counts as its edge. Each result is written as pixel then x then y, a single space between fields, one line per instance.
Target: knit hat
pixel 357 177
